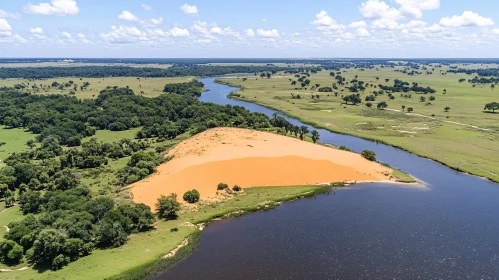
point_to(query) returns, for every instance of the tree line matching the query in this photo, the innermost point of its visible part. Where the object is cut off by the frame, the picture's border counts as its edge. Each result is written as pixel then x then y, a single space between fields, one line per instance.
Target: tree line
pixel 123 71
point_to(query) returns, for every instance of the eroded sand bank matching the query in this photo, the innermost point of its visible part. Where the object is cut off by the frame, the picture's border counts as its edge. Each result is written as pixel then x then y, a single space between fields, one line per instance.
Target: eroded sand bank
pixel 251 158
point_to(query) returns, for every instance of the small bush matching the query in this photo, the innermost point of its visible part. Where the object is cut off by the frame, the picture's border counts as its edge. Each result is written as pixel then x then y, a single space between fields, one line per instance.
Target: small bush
pixel 236 188
pixel 344 148
pixel 174 229
pixel 222 186
pixel 191 196
pixel 369 155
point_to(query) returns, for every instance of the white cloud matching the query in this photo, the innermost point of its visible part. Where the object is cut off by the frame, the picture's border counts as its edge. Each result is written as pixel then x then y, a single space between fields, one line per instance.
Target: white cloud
pixel 156 21
pixel 415 8
pixel 55 8
pixel 264 20
pixel 126 15
pixel 495 31
pixel 4 14
pixel 123 35
pixel 272 33
pixel 358 24
pixel 147 7
pixel 326 23
pixel 435 28
pixel 151 22
pixel 36 30
pixel 4 25
pixel 178 32
pixel 384 23
pixel 375 9
pixel 468 18
pixel 5 33
pixel 189 10
pixel 66 35
pixel 249 33
pixel 81 36
pixel 201 27
pixel 362 32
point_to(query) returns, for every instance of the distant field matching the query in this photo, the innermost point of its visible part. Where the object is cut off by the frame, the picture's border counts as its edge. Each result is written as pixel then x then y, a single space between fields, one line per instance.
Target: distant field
pixel 80 64
pixel 432 133
pixel 291 65
pixel 149 87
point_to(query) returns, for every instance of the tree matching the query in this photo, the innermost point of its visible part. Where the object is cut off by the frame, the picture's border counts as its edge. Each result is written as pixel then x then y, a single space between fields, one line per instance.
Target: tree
pixel 303 130
pixel 11 252
pixel 369 155
pixel 191 196
pixel 492 86
pixel 382 105
pixel 422 99
pixel 447 109
pixel 30 202
pixel 369 104
pixel 403 108
pixel 236 188
pixel 293 83
pixel 410 109
pixel 222 186
pixel 387 80
pixel 47 246
pixel 315 136
pixel 493 106
pixel 167 206
pixel 432 98
pixel 31 143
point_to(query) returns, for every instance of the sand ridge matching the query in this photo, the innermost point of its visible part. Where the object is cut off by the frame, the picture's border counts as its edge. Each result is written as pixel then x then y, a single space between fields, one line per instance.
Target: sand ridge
pixel 251 158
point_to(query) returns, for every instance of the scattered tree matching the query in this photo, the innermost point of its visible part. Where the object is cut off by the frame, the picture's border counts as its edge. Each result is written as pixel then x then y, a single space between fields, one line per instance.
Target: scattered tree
pixel 167 206
pixel 369 155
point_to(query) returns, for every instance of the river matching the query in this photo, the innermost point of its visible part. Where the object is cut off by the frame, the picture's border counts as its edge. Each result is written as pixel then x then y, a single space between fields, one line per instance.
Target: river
pixel 447 229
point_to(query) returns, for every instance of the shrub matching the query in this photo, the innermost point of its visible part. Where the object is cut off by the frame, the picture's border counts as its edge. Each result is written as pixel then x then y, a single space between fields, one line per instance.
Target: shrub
pixel 369 104
pixel 344 148
pixel 369 155
pixel 236 188
pixel 222 186
pixel 174 229
pixel 191 196
pixel 167 206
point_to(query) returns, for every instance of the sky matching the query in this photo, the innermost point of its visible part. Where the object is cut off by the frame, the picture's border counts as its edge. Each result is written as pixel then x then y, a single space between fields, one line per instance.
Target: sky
pixel 249 29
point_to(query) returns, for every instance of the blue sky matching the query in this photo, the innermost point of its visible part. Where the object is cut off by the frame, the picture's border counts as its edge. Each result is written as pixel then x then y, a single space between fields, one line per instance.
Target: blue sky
pixel 257 28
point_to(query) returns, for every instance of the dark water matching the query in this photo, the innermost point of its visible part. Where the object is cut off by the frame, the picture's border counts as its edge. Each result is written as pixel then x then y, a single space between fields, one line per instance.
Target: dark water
pixel 446 230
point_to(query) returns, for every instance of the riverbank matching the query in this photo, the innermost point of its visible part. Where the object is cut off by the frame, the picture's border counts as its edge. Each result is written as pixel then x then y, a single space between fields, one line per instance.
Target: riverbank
pixel 250 158
pixel 427 144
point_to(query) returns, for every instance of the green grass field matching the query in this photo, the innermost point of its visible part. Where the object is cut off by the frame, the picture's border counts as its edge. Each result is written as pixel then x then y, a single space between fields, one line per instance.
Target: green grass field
pixel 15 141
pixel 149 87
pixel 430 131
pixel 145 247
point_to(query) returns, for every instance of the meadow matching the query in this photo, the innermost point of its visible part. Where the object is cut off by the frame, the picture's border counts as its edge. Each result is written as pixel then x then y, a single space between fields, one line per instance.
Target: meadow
pixel 463 138
pixel 150 87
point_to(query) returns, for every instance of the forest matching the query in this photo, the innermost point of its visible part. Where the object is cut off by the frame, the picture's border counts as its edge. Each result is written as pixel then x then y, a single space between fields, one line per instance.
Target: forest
pixel 123 71
pixel 64 220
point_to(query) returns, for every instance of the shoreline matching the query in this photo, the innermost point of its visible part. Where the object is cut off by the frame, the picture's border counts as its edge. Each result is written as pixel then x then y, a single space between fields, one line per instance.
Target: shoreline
pixel 161 264
pixel 316 125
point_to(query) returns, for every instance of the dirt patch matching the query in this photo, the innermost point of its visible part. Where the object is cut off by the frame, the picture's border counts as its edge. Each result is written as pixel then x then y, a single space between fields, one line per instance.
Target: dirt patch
pixel 251 158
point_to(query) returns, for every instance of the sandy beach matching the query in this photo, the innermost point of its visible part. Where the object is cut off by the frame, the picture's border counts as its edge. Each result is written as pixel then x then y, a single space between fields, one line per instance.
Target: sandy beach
pixel 251 158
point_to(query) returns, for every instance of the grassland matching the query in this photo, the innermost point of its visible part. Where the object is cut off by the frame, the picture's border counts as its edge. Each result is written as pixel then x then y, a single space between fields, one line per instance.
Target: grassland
pixel 15 141
pixel 144 248
pixel 150 87
pixel 429 131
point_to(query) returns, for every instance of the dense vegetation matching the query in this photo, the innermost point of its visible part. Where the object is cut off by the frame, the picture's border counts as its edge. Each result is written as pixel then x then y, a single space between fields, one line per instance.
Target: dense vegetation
pixel 485 72
pixel 123 71
pixel 65 220
pixel 191 88
pixel 401 86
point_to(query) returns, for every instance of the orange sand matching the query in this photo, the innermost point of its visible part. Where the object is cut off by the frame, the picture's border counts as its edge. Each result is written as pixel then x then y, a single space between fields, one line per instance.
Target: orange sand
pixel 251 158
